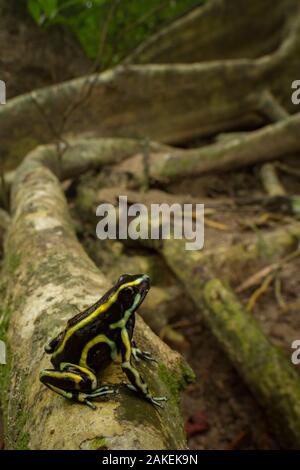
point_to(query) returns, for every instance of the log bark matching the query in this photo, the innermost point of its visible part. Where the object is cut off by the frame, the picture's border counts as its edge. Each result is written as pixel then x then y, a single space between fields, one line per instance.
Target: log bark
pixel 209 33
pixel 48 276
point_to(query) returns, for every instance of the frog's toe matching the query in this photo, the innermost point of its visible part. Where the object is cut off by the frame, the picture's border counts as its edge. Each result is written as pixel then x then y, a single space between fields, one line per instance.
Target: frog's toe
pixel 131 387
pixel 157 401
pixel 102 391
pixel 90 404
pixel 147 356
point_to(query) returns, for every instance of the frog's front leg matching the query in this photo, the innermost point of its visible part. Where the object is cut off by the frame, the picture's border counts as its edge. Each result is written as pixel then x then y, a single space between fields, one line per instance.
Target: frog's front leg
pixel 75 383
pixel 137 382
pixel 139 354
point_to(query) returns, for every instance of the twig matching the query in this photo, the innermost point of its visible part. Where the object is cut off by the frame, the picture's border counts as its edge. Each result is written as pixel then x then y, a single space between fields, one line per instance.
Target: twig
pixel 278 295
pixel 216 225
pixel 271 108
pixel 133 26
pixel 104 33
pixel 61 143
pixel 259 292
pixel 256 278
pixel 146 165
pixel 287 169
pixel 91 80
pixel 236 441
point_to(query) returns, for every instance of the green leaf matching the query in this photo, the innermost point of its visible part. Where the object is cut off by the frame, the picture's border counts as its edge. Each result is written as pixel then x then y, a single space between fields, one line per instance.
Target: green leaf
pixel 131 22
pixel 35 10
pixel 49 7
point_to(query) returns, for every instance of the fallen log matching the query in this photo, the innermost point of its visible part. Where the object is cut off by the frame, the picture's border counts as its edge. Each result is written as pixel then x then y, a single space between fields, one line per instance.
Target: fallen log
pixel 47 277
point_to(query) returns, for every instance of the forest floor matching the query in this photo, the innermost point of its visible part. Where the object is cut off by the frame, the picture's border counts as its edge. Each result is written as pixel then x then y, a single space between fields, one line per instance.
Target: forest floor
pixel 219 410
pixel 231 418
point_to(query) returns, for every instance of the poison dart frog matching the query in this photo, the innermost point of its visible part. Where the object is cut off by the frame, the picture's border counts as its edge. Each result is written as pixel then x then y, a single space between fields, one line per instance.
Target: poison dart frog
pixel 94 338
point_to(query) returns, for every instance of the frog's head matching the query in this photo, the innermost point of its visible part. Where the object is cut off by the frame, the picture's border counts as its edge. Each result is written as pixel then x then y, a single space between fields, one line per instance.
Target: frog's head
pixel 131 290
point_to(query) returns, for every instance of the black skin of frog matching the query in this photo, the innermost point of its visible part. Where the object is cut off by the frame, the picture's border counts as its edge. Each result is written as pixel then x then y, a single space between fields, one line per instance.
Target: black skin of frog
pixel 96 337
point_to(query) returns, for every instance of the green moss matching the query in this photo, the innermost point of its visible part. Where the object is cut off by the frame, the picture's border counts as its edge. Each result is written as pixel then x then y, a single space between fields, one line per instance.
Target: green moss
pixel 94 444
pixel 176 381
pixel 188 375
pixel 132 408
pixel 12 262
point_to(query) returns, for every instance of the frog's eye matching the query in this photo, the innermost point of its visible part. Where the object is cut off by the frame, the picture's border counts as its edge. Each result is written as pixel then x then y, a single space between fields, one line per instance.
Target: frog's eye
pixel 128 291
pixel 122 278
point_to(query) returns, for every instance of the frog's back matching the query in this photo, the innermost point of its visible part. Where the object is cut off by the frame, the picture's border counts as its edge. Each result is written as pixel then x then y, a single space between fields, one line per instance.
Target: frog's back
pixel 82 329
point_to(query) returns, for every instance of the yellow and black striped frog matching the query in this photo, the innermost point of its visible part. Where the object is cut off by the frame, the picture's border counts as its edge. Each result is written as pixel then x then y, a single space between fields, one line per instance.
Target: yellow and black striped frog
pixel 95 337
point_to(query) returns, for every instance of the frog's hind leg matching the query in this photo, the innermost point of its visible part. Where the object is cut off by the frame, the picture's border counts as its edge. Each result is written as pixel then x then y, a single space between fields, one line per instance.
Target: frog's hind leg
pixel 75 383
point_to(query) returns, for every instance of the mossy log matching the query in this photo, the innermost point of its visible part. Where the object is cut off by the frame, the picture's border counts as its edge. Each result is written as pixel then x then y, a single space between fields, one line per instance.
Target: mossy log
pixel 47 278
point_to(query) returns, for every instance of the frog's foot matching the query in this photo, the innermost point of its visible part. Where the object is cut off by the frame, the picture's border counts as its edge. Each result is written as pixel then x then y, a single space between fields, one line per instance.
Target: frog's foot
pixel 154 400
pixel 144 355
pixel 157 400
pixel 103 391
